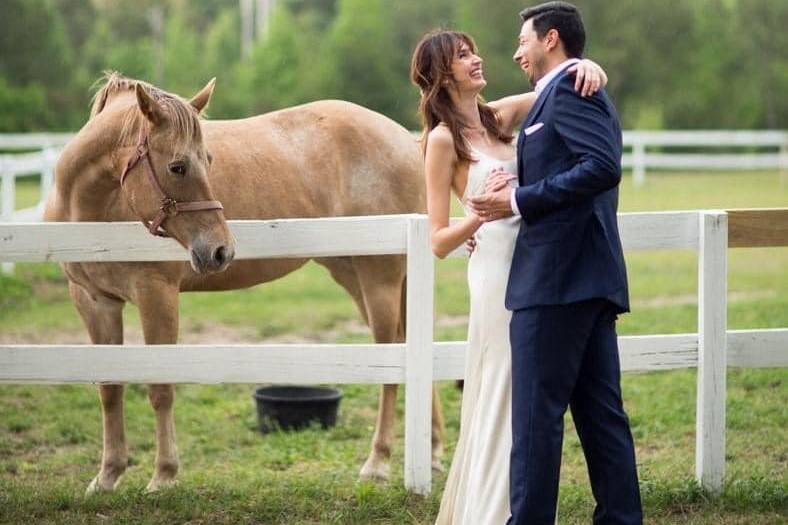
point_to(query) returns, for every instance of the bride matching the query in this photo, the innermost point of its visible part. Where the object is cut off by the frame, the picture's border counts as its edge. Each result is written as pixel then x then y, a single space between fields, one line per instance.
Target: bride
pixel 468 150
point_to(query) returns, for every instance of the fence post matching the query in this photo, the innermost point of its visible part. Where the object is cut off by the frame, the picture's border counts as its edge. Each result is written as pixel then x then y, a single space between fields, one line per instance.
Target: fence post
pixel 7 204
pixel 638 161
pixel 418 358
pixel 47 177
pixel 712 350
pixel 783 158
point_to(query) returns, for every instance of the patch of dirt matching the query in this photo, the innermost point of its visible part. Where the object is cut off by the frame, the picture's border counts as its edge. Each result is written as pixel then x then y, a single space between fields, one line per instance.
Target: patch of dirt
pixel 206 332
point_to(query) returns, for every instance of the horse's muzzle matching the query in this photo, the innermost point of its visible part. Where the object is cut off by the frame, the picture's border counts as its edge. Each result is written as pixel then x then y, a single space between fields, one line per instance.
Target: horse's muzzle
pixel 210 258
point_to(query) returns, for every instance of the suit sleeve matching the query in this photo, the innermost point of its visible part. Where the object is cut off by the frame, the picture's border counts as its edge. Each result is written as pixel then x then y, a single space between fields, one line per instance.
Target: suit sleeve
pixel 590 130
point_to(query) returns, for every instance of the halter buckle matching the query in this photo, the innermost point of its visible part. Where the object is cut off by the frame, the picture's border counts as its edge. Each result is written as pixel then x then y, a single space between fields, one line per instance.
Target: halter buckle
pixel 169 206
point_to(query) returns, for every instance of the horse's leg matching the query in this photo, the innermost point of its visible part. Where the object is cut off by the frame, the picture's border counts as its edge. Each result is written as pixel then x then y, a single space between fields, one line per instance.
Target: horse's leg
pixel 382 317
pixel 103 318
pixel 344 273
pixel 382 284
pixel 158 306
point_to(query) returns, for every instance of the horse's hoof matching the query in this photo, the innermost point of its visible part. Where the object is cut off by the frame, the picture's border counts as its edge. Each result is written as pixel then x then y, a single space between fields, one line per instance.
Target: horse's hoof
pixel 375 470
pixel 96 487
pixel 437 466
pixel 156 485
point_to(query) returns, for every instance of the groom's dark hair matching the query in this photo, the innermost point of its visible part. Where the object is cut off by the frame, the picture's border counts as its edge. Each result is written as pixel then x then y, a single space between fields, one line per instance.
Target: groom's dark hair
pixel 564 18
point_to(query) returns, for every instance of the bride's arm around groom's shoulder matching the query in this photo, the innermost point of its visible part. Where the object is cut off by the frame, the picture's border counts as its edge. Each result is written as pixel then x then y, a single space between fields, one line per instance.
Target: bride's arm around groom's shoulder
pixel 513 110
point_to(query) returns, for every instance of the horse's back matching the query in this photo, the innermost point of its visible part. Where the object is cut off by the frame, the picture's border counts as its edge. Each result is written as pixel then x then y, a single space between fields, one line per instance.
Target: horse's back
pixel 325 158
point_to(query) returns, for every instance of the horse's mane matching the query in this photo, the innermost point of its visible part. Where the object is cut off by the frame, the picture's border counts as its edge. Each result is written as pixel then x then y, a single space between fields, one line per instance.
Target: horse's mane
pixel 183 117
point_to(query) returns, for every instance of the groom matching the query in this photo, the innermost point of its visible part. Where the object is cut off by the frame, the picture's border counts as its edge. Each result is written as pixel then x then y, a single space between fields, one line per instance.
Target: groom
pixel 567 283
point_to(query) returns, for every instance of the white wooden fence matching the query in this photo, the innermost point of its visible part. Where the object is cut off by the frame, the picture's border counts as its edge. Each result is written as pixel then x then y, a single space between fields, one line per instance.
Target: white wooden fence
pixel 419 360
pixel 640 159
pixel 13 165
pixel 49 144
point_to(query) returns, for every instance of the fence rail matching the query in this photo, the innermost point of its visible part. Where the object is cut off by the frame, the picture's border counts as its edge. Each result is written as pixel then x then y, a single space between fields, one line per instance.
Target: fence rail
pixel 349 364
pixel 418 361
pixel 641 159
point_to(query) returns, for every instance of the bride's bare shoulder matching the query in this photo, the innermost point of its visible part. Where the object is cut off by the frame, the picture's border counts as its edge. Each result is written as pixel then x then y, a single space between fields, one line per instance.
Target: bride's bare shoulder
pixel 441 134
pixel 440 140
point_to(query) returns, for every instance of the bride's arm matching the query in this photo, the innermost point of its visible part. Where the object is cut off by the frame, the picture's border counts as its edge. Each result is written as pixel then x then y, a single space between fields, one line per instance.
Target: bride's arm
pixel 514 109
pixel 439 165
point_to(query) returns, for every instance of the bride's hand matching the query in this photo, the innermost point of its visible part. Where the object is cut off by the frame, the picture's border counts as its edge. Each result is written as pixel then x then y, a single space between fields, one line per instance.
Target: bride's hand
pixel 497 180
pixel 589 77
pixel 470 245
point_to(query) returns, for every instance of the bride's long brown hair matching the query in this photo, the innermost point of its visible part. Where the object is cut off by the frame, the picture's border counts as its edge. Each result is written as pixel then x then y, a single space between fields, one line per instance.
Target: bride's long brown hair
pixel 430 70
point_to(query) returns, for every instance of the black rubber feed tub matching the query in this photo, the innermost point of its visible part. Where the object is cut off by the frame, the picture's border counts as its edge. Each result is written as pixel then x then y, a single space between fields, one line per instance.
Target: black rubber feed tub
pixel 296 407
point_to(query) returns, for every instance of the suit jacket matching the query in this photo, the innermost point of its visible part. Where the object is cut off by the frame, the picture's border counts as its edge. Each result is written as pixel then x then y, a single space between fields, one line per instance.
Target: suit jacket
pixel 569 166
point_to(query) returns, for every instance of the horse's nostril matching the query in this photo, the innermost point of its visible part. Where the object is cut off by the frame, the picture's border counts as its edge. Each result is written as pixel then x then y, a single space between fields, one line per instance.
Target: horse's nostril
pixel 220 255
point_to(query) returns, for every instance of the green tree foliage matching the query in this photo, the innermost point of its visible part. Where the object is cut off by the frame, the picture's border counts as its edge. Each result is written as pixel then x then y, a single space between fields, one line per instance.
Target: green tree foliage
pixel 765 42
pixel 220 56
pixel 360 51
pixel 269 80
pixel 495 27
pixel 22 107
pixel 35 62
pixel 184 64
pixel 677 64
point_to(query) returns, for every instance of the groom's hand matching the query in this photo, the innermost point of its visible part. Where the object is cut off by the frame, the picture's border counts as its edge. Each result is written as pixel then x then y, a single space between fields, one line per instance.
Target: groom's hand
pixel 493 205
pixel 497 180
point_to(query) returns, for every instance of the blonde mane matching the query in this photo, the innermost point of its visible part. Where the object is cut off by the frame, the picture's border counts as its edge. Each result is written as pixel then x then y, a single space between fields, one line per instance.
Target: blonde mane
pixel 184 119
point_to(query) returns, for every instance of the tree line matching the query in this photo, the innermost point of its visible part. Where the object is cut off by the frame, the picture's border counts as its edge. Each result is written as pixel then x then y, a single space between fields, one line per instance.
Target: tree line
pixel 672 64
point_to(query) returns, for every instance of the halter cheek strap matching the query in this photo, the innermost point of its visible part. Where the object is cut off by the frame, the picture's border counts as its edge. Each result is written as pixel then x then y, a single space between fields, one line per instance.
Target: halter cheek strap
pixel 168 207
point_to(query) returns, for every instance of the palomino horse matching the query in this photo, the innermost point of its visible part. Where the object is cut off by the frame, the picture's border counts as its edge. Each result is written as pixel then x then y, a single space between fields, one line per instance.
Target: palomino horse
pixel 145 155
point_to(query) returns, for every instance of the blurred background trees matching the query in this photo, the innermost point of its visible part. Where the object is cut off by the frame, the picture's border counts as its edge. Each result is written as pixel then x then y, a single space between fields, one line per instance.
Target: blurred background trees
pixel 672 64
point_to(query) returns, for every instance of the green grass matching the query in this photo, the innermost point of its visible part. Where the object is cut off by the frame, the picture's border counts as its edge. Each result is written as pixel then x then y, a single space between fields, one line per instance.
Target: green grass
pixel 50 437
pixel 50 445
pixel 28 192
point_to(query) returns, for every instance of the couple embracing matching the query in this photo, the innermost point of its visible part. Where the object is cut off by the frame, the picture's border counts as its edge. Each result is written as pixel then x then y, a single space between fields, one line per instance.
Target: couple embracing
pixel 546 274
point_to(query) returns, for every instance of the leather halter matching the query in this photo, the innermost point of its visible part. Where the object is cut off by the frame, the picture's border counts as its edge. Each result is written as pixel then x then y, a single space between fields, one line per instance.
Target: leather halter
pixel 169 207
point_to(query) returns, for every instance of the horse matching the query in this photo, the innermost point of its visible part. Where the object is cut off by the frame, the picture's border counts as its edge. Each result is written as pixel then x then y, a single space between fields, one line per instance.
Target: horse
pixel 149 155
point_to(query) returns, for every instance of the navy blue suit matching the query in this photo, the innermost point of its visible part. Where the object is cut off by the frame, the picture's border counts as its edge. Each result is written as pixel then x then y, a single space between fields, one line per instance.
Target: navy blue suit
pixel 567 284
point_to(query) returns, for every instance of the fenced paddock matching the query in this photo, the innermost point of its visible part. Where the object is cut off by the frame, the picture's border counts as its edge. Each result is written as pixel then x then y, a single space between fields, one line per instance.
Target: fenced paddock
pixel 418 361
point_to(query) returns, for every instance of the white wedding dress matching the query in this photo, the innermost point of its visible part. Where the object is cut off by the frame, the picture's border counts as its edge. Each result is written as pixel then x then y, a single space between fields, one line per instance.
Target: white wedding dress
pixel 477 487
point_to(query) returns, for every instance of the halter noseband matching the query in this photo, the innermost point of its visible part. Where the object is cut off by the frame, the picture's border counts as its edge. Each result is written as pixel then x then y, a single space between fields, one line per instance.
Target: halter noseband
pixel 169 207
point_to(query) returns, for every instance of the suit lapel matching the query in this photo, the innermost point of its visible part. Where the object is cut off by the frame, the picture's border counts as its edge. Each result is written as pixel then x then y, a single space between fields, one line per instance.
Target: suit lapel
pixel 532 115
pixel 535 111
pixel 537 108
pixel 521 156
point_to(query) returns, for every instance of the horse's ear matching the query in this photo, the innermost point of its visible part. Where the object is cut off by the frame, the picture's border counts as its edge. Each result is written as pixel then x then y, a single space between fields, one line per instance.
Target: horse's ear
pixel 201 99
pixel 149 107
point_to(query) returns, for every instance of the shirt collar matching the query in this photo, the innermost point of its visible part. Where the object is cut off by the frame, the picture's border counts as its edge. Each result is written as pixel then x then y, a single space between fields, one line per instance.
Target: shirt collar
pixel 545 80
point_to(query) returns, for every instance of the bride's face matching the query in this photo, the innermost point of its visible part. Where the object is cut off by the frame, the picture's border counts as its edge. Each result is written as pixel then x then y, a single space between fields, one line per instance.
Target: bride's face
pixel 466 69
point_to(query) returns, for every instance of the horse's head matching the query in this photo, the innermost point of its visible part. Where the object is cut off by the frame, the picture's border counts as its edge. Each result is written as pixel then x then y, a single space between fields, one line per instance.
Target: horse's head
pixel 166 178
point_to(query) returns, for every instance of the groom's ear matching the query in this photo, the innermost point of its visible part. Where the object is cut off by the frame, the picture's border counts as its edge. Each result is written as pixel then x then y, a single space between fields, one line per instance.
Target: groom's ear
pixel 551 39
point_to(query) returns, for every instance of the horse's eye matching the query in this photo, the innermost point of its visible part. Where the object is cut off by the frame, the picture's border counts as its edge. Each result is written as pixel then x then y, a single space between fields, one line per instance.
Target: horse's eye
pixel 179 168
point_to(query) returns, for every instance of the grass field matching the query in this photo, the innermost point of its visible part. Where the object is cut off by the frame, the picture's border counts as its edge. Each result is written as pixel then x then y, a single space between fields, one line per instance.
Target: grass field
pixel 50 437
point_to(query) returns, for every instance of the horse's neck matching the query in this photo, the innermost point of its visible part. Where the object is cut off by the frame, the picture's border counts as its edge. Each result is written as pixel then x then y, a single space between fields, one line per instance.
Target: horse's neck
pixel 88 173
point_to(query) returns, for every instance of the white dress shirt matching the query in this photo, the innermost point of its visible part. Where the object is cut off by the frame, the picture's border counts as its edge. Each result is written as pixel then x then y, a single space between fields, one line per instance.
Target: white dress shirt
pixel 540 85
